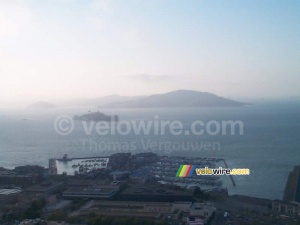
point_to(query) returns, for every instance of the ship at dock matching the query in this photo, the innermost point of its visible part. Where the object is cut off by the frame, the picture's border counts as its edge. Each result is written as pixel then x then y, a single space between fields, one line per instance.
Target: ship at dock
pixel 64 158
pixel 72 166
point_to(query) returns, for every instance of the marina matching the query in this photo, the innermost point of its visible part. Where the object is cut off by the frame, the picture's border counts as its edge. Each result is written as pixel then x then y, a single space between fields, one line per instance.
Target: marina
pixel 163 169
pixel 166 168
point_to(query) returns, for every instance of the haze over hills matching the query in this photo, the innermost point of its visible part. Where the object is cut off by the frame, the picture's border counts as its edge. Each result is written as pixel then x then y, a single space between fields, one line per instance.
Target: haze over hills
pixel 84 102
pixel 179 98
pixel 97 101
pixel 42 105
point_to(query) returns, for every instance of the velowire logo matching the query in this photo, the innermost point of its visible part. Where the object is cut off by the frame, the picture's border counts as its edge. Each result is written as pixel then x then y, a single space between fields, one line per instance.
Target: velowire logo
pixel 185 170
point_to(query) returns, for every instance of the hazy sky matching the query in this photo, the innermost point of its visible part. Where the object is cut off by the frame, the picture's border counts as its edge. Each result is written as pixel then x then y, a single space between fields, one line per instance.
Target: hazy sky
pixel 64 49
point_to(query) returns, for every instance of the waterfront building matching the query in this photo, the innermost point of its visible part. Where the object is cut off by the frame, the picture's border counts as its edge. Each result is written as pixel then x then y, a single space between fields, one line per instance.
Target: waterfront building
pixel 10 195
pixel 283 207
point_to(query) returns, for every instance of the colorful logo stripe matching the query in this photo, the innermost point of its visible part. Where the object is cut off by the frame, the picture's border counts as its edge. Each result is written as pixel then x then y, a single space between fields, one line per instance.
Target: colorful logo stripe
pixel 185 171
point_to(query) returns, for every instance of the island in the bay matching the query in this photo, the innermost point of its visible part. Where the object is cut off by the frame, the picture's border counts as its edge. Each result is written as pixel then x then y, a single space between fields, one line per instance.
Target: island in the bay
pixel 178 98
pixel 96 116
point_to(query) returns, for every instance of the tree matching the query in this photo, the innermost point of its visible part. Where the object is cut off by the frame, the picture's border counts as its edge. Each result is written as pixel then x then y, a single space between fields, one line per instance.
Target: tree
pixel 74 220
pixel 58 216
pixel 35 210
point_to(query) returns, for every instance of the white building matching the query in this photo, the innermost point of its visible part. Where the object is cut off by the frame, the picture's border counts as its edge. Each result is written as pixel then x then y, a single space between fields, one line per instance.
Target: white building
pixel 204 210
pixel 284 207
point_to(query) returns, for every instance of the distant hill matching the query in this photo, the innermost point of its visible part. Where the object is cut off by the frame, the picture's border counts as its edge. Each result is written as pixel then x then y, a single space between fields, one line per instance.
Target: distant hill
pixel 95 102
pixel 42 105
pixel 179 98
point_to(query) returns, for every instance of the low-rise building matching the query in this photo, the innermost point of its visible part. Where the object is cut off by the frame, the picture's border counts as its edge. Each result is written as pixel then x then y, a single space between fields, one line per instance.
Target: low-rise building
pixel 284 207
pixel 120 175
pixel 33 222
pixel 250 203
pixel 203 210
pixel 155 193
pixel 9 195
pixel 140 175
pixel 81 183
pixel 11 178
pixel 23 175
pixel 45 188
pixel 103 192
pixel 195 221
pixel 182 206
pixel 150 210
pixel 93 189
